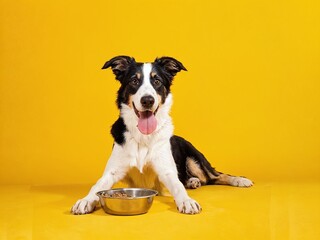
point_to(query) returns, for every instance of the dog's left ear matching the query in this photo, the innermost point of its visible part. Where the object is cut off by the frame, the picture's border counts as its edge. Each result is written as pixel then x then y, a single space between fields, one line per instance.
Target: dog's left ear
pixel 119 65
pixel 170 65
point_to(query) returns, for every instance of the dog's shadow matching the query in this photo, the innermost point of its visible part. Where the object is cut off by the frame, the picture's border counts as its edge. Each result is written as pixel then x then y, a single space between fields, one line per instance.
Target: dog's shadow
pixel 166 201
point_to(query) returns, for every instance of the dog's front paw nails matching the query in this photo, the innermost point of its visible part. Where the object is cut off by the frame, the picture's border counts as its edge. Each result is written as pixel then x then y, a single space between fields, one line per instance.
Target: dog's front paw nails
pixel 83 206
pixel 189 206
pixel 241 182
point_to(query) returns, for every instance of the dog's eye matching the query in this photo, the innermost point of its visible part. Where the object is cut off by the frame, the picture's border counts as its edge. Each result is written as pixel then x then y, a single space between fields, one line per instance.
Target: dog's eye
pixel 157 82
pixel 134 81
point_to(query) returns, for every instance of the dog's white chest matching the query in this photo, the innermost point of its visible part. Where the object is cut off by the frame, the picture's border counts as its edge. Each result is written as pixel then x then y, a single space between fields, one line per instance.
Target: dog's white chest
pixel 139 156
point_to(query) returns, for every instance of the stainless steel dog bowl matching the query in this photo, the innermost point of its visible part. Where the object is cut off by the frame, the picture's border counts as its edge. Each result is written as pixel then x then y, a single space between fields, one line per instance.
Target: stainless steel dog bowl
pixel 126 201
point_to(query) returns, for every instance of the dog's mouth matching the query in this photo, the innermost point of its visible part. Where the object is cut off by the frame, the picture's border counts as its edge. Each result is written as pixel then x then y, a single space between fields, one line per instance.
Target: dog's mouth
pixel 147 122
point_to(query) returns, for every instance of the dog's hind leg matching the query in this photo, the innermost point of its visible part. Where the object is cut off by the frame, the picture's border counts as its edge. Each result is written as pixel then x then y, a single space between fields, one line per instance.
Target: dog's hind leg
pixel 193 164
pixel 215 177
pixel 200 173
pixel 226 179
pixel 198 166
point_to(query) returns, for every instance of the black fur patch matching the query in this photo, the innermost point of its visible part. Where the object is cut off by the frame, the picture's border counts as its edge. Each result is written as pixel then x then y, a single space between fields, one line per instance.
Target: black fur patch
pixel 161 82
pixel 130 84
pixel 117 131
pixel 170 65
pixel 181 150
pixel 120 66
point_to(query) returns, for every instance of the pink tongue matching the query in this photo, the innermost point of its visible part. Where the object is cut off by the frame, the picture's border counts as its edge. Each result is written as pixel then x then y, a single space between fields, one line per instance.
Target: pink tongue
pixel 147 122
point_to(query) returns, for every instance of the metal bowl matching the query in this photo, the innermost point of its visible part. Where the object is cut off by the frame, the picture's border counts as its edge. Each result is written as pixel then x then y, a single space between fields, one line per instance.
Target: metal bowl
pixel 126 201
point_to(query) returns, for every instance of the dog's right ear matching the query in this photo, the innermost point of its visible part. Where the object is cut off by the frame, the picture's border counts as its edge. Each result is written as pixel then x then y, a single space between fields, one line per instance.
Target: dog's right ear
pixel 119 65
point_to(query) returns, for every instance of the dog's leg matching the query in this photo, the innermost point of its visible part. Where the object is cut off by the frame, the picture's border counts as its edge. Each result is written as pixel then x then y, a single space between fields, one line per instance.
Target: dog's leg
pixel 184 203
pixel 197 166
pixel 225 179
pixel 114 172
pixel 165 167
pixel 215 177
pixel 208 175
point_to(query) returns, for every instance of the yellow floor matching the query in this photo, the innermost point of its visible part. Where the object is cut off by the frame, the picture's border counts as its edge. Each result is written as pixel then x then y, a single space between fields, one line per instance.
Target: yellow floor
pixel 266 211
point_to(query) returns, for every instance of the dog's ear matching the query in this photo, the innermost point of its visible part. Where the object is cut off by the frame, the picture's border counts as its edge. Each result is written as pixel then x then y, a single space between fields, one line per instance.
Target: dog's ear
pixel 119 65
pixel 170 65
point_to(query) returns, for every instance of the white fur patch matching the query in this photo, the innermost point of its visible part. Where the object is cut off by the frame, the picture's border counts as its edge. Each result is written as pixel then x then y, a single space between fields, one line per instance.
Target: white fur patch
pixel 146 89
pixel 241 182
pixel 189 206
pixel 193 183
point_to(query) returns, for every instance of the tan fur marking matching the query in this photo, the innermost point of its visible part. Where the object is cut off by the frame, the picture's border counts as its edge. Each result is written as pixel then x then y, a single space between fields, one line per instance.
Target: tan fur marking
pixel 195 170
pixel 139 75
pixel 211 176
pixel 159 100
pixel 130 102
pixel 223 179
pixel 153 74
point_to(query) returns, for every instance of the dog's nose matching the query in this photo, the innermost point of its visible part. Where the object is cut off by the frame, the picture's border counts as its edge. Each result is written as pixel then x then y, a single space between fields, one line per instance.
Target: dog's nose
pixel 147 101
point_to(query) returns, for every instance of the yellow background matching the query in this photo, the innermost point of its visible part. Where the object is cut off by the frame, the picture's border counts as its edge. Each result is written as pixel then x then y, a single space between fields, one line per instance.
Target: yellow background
pixel 249 101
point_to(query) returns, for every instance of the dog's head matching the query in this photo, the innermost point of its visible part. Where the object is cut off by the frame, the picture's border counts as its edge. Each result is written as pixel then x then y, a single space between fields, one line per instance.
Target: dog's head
pixel 144 86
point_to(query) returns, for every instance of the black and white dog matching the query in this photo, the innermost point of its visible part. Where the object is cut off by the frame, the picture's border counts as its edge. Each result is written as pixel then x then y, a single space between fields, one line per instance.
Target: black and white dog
pixel 145 152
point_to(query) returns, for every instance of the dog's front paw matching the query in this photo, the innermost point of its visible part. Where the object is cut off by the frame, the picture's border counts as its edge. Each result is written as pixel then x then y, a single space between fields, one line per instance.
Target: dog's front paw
pixel 83 206
pixel 189 206
pixel 241 182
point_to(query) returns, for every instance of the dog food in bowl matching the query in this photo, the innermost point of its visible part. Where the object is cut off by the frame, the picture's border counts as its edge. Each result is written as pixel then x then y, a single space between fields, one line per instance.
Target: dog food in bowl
pixel 115 195
pixel 126 201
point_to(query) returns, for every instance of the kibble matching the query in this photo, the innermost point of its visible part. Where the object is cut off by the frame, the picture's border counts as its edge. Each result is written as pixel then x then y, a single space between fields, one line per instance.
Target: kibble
pixel 116 195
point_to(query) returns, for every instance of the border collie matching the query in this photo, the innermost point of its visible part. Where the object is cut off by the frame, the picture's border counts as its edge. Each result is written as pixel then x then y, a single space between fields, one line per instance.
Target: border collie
pixel 145 151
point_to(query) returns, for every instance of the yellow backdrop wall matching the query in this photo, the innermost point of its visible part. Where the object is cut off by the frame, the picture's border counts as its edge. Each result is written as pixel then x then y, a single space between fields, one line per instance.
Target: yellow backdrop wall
pixel 249 101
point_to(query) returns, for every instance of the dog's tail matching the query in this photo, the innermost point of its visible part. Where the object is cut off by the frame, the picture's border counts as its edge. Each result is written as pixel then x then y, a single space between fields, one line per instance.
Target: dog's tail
pixel 198 167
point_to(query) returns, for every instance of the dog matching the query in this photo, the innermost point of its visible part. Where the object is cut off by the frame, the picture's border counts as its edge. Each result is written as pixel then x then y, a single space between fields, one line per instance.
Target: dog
pixel 146 153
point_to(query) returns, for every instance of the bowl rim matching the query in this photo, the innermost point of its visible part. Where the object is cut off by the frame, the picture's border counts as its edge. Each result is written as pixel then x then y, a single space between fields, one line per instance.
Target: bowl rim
pixel 154 193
